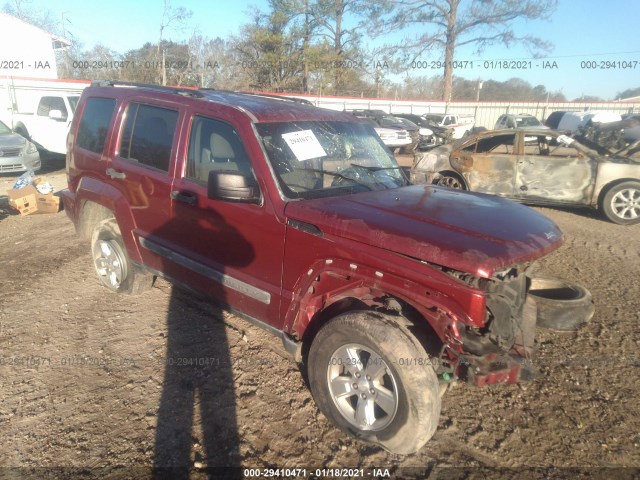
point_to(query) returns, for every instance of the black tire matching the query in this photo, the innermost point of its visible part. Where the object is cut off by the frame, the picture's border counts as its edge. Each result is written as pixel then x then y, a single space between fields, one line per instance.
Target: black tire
pixel 450 181
pixel 621 204
pixel 21 130
pixel 111 262
pixel 561 305
pixel 402 411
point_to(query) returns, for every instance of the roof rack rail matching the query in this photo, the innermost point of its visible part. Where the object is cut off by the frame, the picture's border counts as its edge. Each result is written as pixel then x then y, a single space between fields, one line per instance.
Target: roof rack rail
pixel 284 98
pixel 187 92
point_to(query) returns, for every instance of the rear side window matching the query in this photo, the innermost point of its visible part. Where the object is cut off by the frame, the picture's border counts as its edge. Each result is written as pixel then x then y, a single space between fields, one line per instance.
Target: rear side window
pixel 494 144
pixel 94 125
pixel 148 135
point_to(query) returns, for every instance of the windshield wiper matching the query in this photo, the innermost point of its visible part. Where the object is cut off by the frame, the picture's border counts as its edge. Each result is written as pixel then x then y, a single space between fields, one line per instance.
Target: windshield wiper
pixel 336 174
pixel 375 169
pixel 380 169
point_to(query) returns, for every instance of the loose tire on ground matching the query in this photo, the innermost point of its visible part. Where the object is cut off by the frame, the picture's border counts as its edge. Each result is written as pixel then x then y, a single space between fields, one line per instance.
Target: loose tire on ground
pixel 372 378
pixel 111 262
pixel 561 305
pixel 621 204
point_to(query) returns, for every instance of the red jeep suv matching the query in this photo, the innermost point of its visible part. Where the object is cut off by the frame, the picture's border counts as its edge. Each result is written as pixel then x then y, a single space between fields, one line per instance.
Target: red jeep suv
pixel 299 220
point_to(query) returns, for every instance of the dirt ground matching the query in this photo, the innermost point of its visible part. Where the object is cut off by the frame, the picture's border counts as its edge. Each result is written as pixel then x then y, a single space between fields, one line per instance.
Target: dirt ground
pixel 92 384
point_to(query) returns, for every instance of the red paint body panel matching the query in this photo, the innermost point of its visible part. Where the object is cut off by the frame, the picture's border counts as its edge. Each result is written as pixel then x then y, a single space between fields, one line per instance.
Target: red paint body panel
pixel 468 232
pixel 282 261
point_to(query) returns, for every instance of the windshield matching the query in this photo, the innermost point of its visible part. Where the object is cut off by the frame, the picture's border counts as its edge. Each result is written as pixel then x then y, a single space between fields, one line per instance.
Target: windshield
pixel 4 129
pixel 318 159
pixel 435 118
pixel 528 122
pixel 390 122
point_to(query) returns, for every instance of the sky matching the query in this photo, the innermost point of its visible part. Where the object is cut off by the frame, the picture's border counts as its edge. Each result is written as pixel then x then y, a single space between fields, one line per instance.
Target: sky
pixel 596 43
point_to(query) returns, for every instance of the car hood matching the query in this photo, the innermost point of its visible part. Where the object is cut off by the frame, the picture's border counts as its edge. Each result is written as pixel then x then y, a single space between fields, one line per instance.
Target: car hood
pixel 12 140
pixel 469 232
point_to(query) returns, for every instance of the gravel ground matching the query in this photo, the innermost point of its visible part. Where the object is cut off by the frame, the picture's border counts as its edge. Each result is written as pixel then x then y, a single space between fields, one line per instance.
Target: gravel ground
pixel 86 390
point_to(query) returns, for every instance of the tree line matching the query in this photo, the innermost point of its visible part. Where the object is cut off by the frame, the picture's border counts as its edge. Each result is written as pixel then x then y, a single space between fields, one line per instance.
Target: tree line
pixel 321 47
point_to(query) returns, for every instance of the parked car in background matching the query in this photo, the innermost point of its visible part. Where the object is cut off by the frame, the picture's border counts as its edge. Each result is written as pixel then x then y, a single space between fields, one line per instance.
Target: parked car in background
pixel 553 120
pixel 521 120
pixel 17 154
pixel 41 111
pixel 631 128
pixel 430 134
pixel 385 121
pixel 553 170
pixel 422 137
pixel 393 138
pixel 300 220
pixel 572 121
pixel 459 125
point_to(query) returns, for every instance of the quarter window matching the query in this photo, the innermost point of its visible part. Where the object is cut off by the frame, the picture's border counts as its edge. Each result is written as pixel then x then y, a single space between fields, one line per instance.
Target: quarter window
pixel 94 125
pixel 148 135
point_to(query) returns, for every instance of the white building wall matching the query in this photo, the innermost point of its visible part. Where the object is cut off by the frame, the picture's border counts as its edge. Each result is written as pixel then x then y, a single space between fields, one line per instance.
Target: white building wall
pixel 25 50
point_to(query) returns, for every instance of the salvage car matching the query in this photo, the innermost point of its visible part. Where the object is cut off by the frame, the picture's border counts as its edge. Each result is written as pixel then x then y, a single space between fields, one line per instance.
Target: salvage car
pixel 299 220
pixel 393 138
pixel 17 154
pixel 552 170
pixel 522 120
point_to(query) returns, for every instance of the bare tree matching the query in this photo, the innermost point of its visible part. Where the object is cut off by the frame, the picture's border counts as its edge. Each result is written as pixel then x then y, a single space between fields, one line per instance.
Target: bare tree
pixel 330 16
pixel 172 17
pixel 449 24
pixel 24 10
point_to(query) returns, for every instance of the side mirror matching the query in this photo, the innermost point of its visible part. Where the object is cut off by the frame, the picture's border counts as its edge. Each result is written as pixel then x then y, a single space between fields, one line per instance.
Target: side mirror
pixel 231 185
pixel 56 115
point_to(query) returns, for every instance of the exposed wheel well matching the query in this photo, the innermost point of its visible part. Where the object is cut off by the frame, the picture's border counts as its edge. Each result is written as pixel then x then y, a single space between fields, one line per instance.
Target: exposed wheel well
pixel 90 215
pixel 609 186
pixel 452 173
pixel 415 322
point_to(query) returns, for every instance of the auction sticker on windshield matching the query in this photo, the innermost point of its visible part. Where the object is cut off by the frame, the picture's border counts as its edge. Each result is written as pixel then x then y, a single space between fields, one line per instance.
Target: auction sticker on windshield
pixel 304 145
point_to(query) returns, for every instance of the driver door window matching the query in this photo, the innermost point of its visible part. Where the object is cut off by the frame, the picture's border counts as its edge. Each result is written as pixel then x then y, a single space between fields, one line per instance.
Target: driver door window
pixel 214 146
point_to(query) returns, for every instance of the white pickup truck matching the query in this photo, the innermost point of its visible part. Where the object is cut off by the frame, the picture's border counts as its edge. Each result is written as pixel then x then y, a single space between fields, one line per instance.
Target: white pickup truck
pixel 459 124
pixel 40 111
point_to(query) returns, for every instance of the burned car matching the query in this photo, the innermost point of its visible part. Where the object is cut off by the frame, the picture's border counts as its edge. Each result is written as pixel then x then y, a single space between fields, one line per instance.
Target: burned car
pixel 553 169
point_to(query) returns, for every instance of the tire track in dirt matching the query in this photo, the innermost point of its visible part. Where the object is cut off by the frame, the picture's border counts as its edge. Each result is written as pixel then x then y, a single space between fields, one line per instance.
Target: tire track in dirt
pixel 580 411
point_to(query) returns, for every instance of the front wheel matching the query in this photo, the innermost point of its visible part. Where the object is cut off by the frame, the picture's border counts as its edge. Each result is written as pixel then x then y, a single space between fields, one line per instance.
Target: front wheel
pixel 621 204
pixel 372 379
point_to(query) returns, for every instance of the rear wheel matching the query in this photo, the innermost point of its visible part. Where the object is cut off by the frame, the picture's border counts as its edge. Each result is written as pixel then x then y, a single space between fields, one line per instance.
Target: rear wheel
pixel 372 378
pixel 111 262
pixel 621 204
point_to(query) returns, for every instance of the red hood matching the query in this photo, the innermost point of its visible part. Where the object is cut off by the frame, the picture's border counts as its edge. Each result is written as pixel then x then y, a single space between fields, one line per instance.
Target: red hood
pixel 469 232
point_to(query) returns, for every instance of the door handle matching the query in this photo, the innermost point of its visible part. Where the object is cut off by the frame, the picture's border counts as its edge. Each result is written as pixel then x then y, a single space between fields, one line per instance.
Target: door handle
pixel 184 197
pixel 115 174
